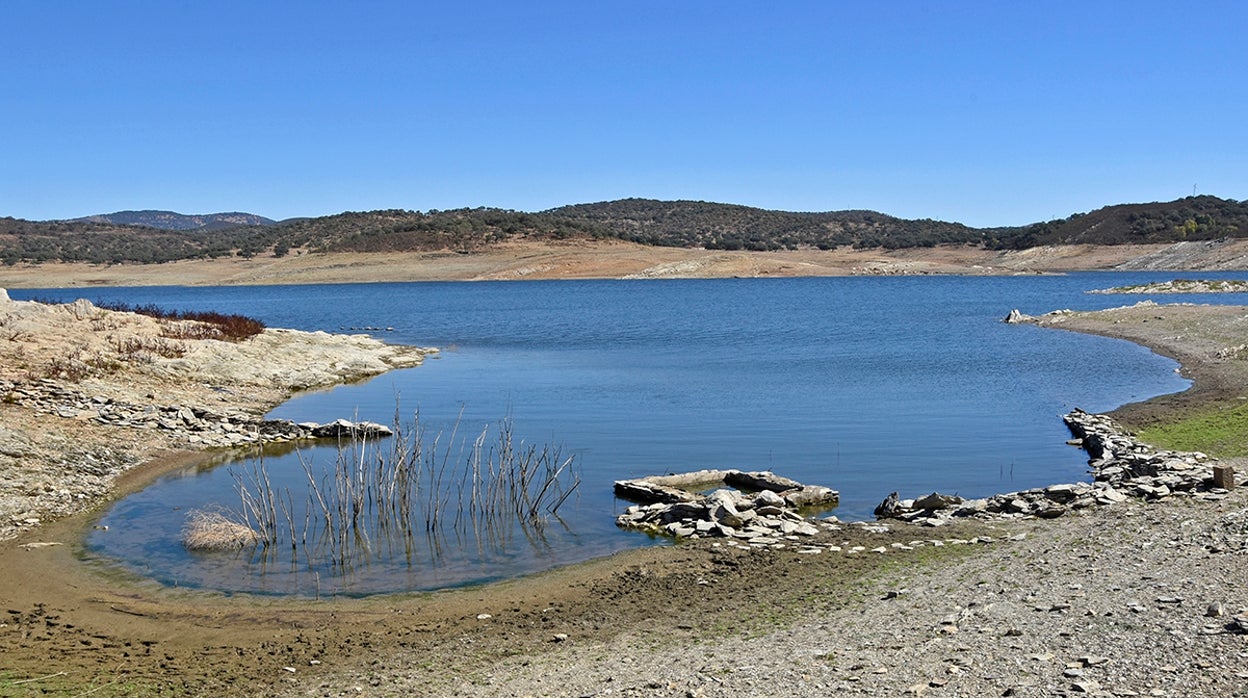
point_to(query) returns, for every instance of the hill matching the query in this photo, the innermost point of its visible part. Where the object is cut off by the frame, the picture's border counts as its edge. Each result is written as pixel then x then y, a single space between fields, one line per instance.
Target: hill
pixel 733 227
pixel 160 236
pixel 1188 219
pixel 82 241
pixel 168 220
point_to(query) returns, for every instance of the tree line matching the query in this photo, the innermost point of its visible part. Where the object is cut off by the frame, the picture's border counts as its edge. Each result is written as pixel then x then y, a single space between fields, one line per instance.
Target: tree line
pixel 643 221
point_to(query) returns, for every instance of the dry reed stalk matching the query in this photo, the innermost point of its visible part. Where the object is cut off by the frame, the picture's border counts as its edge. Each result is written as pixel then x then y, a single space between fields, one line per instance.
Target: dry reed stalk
pixel 212 530
pixel 372 498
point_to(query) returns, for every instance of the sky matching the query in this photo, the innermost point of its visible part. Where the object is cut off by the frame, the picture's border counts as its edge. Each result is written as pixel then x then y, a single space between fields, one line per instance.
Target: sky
pixel 987 113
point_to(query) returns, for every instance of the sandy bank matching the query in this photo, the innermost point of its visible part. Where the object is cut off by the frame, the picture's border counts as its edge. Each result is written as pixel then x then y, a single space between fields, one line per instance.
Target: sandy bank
pixel 617 260
pixel 57 458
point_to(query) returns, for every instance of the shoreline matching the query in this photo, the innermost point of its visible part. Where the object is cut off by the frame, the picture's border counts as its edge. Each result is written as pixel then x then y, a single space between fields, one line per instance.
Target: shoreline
pixel 1209 358
pixel 527 260
pixel 601 608
pixel 91 393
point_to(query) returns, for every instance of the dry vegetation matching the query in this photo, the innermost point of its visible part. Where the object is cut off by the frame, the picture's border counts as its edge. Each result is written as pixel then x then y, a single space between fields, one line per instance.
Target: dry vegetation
pixel 394 494
pixel 216 531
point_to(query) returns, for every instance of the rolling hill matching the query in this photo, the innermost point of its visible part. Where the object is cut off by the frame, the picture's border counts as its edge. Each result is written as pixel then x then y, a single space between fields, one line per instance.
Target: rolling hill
pixel 168 220
pixel 161 236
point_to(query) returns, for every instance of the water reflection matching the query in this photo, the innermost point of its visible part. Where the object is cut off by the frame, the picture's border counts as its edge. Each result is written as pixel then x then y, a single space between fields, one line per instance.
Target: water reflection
pixel 412 500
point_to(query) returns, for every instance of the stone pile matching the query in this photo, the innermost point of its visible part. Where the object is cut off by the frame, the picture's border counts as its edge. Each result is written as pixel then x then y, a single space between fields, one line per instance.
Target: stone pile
pixel 1136 468
pixel 1122 468
pixel 767 515
pixel 196 426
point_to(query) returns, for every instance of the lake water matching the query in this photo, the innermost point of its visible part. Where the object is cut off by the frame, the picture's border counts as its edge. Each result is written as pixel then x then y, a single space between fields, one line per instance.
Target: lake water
pixel 865 385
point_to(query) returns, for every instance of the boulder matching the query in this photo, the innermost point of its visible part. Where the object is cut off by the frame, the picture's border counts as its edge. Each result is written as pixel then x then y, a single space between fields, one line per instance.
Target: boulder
pixel 340 428
pixel 889 508
pixel 935 501
pixel 1017 318
pixel 767 498
pixel 760 480
pixel 644 490
pixel 811 496
pixel 1061 493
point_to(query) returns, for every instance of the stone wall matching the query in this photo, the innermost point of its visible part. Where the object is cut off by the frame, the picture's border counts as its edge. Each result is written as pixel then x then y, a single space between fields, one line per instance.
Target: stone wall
pixel 1122 467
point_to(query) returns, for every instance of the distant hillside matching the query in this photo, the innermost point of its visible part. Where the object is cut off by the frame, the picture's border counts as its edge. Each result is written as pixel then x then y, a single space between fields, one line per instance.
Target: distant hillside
pixel 1191 218
pixel 168 220
pixel 159 236
pixel 82 241
pixel 733 227
pixel 462 230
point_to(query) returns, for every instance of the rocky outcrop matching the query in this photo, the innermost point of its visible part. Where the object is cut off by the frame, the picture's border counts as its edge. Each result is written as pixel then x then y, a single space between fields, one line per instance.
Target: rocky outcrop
pixel 1122 468
pixel 1016 318
pixel 1181 286
pixel 189 425
pixel 765 515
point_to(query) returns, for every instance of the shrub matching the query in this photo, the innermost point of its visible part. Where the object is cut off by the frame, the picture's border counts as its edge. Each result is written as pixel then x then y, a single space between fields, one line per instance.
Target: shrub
pixel 182 324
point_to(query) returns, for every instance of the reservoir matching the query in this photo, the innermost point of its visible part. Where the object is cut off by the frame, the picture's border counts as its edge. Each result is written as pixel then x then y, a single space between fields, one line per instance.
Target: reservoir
pixel 865 385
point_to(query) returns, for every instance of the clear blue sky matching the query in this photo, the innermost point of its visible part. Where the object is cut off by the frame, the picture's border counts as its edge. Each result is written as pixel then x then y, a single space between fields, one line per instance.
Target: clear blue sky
pixel 988 113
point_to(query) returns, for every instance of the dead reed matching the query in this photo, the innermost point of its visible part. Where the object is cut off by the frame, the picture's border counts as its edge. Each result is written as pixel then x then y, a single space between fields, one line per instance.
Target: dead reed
pixel 214 530
pixel 409 495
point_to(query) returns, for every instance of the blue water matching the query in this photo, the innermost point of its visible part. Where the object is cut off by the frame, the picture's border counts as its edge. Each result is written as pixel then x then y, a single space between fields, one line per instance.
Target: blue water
pixel 866 385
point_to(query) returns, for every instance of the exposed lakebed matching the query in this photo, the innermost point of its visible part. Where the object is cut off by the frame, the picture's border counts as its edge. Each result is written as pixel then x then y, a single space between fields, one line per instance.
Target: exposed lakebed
pixel 864 385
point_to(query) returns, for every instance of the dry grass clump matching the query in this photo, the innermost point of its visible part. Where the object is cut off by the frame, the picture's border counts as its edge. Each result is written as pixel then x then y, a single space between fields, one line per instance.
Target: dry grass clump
pixel 212 530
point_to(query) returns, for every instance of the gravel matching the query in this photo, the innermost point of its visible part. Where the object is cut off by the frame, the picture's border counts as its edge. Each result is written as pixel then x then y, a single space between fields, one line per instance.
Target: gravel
pixel 1132 599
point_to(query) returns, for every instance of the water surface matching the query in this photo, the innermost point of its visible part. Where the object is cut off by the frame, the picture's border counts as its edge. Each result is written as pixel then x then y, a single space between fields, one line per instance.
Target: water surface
pixel 866 385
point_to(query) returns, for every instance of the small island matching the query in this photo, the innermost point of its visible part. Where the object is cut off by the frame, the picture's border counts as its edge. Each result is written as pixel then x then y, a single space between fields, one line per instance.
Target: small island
pixel 1181 286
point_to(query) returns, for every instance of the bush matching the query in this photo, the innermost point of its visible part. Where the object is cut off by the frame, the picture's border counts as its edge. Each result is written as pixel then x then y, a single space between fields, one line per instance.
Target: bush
pixel 232 328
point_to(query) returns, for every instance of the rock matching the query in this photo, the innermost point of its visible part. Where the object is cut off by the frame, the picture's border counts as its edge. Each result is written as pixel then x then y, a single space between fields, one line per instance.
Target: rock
pixel 1061 494
pixel 760 480
pixel 645 491
pixel 723 512
pixel 722 505
pixel 345 428
pixel 683 511
pixel 811 495
pixel 889 508
pixel 1017 318
pixel 1224 477
pixel 935 501
pixel 1110 496
pixel 1122 466
pixel 767 498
